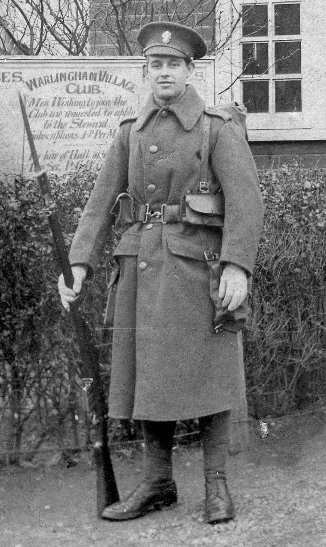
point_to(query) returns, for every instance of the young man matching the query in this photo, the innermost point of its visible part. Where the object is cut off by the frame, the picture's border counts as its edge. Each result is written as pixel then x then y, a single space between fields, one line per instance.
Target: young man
pixel 168 363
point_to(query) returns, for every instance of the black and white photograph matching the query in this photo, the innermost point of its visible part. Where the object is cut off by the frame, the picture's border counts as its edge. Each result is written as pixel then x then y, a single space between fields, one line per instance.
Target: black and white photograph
pixel 162 273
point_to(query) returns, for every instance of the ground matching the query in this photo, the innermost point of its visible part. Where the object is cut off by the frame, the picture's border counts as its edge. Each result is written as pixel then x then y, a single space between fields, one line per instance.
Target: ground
pixel 278 485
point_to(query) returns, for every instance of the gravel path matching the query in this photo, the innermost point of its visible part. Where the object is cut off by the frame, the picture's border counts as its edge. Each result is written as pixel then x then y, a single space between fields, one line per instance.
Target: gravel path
pixel 278 485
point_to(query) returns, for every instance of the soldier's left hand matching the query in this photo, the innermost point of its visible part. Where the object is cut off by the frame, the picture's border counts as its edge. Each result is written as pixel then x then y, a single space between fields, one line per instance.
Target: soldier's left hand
pixel 233 286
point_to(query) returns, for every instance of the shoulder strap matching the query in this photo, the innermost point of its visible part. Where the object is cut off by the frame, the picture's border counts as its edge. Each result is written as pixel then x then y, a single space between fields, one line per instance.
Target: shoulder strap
pixel 128 131
pixel 203 184
pixel 227 112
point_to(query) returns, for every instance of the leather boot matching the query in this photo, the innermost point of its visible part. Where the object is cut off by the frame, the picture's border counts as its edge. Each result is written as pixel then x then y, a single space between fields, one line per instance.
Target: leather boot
pixel 219 505
pixel 145 498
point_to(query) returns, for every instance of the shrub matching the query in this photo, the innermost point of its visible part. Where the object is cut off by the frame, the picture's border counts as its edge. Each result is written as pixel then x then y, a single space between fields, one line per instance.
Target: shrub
pixel 39 379
pixel 285 344
pixel 40 385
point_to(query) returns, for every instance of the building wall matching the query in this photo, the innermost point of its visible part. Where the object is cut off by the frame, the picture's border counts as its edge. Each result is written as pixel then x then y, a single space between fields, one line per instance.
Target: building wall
pixel 109 25
pixel 274 154
pixel 275 137
pixel 310 123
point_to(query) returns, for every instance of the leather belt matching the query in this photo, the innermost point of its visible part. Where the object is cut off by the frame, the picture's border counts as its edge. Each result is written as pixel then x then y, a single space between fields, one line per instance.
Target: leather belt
pixel 195 210
pixel 167 213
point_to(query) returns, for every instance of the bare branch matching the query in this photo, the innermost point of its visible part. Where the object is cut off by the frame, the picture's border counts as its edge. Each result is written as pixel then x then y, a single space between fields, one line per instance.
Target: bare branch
pixel 41 33
pixel 121 34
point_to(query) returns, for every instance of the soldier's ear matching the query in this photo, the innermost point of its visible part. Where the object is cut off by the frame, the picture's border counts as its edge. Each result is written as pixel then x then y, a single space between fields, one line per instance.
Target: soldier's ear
pixel 145 71
pixel 191 68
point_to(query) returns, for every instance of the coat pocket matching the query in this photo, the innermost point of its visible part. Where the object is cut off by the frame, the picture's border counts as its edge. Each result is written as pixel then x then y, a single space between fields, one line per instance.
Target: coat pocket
pixel 184 246
pixel 128 246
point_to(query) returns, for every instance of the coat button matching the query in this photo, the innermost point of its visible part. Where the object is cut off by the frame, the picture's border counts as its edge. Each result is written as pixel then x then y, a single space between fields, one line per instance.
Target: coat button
pixel 151 188
pixel 164 114
pixel 153 149
pixel 149 226
pixel 142 265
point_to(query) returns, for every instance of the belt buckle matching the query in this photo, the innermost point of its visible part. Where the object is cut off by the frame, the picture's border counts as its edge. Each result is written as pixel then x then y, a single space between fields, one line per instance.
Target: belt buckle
pixel 147 213
pixel 156 214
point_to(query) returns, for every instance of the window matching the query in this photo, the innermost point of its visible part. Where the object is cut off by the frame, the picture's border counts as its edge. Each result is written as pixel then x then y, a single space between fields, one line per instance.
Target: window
pixel 256 95
pixel 255 20
pixel 288 96
pixel 255 58
pixel 287 57
pixel 271 57
pixel 287 19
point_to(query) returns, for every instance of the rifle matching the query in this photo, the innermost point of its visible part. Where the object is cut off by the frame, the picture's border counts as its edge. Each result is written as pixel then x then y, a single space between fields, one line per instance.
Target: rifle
pixel 107 492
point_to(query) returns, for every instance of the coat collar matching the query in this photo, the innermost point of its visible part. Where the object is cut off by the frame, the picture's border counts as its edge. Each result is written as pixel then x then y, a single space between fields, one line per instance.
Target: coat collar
pixel 188 109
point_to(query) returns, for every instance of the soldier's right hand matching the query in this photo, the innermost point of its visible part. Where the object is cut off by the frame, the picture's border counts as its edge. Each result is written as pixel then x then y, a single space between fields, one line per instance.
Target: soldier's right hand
pixel 70 295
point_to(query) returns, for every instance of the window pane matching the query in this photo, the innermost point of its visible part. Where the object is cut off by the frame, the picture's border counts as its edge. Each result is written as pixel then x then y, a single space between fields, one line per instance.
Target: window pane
pixel 256 95
pixel 255 20
pixel 288 96
pixel 287 19
pixel 287 57
pixel 255 58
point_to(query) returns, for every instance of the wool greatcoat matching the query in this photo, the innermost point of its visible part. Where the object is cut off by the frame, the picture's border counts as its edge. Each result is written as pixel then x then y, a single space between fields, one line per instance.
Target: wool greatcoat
pixel 167 362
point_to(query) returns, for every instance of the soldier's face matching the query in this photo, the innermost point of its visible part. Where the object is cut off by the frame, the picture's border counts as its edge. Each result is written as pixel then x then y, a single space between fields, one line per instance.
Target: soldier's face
pixel 167 76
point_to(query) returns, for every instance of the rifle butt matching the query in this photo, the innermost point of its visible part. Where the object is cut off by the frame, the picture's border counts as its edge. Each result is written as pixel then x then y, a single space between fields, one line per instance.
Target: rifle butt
pixel 106 487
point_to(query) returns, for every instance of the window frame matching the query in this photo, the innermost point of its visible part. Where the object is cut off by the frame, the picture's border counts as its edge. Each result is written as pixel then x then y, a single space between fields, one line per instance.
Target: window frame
pixel 271 38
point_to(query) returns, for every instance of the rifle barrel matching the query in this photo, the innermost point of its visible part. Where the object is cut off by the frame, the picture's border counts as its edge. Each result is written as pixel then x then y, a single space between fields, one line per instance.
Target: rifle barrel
pixel 29 134
pixel 107 492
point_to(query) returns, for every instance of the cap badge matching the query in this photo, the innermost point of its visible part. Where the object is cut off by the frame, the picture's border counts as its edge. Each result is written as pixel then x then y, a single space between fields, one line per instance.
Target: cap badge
pixel 166 37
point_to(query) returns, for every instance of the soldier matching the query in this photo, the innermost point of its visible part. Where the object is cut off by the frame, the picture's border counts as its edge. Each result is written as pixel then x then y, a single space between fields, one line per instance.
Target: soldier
pixel 195 212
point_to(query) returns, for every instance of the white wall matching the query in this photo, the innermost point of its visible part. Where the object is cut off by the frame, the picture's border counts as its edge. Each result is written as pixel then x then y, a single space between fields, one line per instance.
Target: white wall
pixel 310 124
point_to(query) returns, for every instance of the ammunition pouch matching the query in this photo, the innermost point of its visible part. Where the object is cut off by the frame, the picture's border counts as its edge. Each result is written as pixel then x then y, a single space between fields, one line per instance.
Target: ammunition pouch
pixel 203 209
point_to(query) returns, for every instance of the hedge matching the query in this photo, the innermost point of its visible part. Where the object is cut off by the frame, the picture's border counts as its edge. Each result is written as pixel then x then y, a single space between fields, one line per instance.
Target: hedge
pixel 40 384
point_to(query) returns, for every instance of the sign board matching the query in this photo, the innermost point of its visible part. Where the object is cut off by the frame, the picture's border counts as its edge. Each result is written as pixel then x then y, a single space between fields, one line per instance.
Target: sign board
pixel 74 107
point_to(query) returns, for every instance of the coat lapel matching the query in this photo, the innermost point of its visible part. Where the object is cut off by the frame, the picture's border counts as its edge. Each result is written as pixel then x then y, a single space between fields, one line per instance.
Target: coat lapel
pixel 188 109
